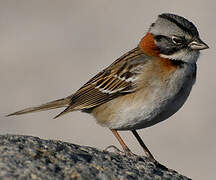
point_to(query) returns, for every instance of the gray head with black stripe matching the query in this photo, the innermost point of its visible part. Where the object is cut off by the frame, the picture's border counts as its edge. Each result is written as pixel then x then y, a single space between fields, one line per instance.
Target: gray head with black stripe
pixel 177 38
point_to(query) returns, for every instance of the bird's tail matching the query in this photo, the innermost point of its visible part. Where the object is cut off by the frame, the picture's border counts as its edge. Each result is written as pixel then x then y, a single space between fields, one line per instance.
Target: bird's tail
pixel 47 106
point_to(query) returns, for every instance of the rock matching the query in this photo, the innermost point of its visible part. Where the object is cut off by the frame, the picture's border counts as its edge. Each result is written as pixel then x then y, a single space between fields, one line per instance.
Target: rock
pixel 26 157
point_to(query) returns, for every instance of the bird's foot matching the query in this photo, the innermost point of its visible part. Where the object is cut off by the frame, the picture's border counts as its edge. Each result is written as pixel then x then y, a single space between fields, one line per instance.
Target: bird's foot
pixel 126 152
pixel 116 150
pixel 156 163
pixel 159 165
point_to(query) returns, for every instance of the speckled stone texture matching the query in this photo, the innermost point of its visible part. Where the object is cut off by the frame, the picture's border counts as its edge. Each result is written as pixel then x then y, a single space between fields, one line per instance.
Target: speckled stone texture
pixel 26 157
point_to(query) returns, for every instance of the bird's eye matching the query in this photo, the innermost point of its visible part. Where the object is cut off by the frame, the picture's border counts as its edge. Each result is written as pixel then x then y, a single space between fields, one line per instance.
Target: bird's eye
pixel 177 40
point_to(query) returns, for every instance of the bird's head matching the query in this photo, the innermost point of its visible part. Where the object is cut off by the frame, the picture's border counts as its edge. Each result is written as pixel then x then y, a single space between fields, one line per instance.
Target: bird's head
pixel 173 37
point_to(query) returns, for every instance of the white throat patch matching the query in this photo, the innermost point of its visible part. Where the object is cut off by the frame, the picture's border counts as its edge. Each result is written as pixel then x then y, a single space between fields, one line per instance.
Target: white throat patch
pixel 183 55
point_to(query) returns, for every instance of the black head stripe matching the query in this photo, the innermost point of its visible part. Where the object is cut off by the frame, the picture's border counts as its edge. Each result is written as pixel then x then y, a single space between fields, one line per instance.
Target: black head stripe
pixel 182 23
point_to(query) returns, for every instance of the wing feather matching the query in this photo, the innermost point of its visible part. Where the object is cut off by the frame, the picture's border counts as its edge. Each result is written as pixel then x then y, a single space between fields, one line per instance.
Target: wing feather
pixel 116 80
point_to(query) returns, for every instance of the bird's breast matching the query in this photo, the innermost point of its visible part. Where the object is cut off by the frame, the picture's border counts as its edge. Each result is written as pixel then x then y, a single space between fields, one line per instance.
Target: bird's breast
pixel 162 91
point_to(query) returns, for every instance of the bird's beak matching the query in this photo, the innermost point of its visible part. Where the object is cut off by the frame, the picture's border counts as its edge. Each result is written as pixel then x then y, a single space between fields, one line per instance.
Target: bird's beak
pixel 198 44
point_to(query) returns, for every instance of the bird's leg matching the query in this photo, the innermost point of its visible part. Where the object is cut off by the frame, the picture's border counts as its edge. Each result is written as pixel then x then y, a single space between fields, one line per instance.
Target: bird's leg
pixel 120 140
pixel 147 152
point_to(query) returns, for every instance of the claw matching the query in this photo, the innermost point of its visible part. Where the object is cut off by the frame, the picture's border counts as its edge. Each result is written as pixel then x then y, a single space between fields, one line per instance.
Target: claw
pixel 126 152
pixel 129 153
pixel 116 150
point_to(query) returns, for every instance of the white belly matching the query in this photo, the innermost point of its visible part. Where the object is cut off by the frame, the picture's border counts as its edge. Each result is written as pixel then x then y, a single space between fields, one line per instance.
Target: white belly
pixel 157 105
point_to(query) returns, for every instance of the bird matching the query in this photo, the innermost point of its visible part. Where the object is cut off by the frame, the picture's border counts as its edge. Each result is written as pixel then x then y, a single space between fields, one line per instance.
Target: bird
pixel 144 86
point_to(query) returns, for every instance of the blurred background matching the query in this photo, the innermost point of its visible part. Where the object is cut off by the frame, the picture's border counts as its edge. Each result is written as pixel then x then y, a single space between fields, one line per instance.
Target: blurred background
pixel 49 49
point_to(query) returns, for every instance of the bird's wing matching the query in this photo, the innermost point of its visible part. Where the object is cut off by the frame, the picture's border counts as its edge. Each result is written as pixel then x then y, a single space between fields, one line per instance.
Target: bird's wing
pixel 116 80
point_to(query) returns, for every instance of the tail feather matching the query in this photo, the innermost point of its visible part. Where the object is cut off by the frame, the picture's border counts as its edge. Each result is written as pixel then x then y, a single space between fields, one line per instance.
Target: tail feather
pixel 47 106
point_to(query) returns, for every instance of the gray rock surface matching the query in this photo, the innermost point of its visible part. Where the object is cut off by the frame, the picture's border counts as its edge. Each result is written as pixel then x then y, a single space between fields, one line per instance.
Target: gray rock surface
pixel 26 157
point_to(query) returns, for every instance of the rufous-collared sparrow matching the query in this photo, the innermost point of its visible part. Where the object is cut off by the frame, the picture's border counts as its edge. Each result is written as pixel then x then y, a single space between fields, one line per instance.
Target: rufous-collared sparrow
pixel 144 86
